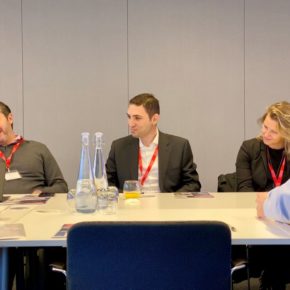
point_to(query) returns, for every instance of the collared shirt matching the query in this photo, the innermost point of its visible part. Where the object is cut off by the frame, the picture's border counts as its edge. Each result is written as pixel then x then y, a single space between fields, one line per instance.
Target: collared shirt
pixel 16 139
pixel 277 205
pixel 6 149
pixel 151 183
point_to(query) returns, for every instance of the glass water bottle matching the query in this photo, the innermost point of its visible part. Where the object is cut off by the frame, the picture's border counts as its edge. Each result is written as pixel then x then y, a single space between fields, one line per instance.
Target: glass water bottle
pixel 99 171
pixel 86 198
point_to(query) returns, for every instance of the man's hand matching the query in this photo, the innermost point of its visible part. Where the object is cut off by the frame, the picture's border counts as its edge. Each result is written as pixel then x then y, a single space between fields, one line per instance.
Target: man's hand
pixel 36 191
pixel 260 199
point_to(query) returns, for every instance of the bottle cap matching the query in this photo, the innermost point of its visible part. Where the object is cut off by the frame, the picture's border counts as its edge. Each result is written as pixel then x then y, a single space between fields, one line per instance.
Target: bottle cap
pixel 99 139
pixel 85 138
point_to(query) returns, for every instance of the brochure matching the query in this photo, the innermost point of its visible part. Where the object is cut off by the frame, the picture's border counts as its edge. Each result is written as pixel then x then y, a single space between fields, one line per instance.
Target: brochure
pixel 62 233
pixel 27 199
pixel 193 195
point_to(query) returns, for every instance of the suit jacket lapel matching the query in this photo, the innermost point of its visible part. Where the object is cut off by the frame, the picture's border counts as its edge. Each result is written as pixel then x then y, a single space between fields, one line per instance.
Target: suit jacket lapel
pixel 133 158
pixel 265 162
pixel 163 158
pixel 264 157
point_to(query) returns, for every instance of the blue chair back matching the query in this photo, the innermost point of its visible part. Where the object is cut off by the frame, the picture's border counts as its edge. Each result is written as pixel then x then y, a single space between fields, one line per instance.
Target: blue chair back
pixel 149 255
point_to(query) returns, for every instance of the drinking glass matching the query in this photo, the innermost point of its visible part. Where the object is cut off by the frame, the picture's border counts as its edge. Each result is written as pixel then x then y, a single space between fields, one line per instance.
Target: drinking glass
pixel 132 189
pixel 71 201
pixel 108 200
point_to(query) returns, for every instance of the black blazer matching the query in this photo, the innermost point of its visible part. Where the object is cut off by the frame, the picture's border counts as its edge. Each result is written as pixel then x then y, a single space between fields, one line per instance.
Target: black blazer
pixel 252 168
pixel 177 171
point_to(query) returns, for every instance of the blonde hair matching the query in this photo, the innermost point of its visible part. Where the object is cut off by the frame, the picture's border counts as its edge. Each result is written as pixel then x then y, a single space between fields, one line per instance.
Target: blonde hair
pixel 280 112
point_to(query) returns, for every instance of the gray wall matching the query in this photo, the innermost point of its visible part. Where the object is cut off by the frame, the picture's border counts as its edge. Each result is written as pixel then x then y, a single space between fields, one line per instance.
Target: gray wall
pixel 70 66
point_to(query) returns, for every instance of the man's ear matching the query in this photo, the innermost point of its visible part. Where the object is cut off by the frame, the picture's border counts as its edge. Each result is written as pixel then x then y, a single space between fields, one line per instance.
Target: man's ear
pixel 155 118
pixel 10 118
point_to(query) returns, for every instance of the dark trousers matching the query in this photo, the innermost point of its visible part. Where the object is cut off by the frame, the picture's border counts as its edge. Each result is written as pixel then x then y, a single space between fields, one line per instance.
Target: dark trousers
pixel 269 263
pixel 31 268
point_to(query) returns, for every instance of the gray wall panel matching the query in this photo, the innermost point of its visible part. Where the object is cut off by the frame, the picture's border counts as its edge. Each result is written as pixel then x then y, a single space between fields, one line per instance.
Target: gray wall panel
pixel 214 65
pixel 75 74
pixel 267 62
pixel 190 55
pixel 11 60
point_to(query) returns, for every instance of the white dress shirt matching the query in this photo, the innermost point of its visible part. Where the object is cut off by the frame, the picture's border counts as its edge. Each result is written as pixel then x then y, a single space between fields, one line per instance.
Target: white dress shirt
pixel 151 183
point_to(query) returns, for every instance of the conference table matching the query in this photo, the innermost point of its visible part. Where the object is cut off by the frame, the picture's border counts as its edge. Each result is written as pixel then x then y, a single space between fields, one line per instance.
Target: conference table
pixel 40 222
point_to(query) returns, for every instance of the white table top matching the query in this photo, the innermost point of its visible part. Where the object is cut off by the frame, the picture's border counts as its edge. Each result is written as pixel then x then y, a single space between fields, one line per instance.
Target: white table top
pixel 41 222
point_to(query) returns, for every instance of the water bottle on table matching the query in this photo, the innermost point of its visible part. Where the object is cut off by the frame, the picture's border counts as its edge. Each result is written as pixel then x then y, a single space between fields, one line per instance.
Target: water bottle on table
pixel 99 171
pixel 86 198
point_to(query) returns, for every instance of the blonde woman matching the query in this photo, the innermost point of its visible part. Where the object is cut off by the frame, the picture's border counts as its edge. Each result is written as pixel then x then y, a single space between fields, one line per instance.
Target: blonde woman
pixel 263 163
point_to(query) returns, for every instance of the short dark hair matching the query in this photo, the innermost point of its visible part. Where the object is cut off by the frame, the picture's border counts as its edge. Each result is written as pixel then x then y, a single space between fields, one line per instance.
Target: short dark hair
pixel 148 101
pixel 5 110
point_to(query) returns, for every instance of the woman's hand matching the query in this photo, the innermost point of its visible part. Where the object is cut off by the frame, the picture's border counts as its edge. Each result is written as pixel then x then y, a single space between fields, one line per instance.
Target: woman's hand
pixel 260 200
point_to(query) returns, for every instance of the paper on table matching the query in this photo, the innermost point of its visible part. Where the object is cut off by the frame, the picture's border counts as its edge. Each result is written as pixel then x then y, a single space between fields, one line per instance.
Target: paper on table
pixel 193 195
pixel 11 231
pixel 26 199
pixel 62 233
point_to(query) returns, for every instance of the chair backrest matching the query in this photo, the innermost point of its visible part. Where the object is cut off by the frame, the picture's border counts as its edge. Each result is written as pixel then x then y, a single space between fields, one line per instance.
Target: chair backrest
pixel 149 255
pixel 227 182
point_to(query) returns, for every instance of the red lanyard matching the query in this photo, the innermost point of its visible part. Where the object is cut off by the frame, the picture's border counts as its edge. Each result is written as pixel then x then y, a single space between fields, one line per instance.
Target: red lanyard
pixel 14 149
pixel 144 177
pixel 277 180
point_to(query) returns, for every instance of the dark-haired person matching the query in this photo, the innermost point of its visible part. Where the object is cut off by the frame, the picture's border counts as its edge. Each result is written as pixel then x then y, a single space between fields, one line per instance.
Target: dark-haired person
pixel 161 162
pixel 29 168
pixel 263 163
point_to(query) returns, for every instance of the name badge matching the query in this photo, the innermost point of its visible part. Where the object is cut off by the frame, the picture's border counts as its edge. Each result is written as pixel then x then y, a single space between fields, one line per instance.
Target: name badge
pixel 12 175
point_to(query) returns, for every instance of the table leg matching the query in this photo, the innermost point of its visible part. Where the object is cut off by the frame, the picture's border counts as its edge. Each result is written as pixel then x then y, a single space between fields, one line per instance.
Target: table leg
pixel 3 268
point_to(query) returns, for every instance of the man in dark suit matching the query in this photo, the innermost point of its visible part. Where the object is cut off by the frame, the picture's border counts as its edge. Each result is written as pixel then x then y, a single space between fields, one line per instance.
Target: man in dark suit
pixel 161 162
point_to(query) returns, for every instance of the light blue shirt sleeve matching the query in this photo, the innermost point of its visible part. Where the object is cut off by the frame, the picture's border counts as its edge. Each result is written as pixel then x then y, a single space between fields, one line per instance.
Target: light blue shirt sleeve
pixel 277 205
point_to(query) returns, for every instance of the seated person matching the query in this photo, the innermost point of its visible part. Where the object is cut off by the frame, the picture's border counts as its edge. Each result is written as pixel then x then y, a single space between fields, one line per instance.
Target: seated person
pixel 263 163
pixel 161 162
pixel 29 167
pixel 275 204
